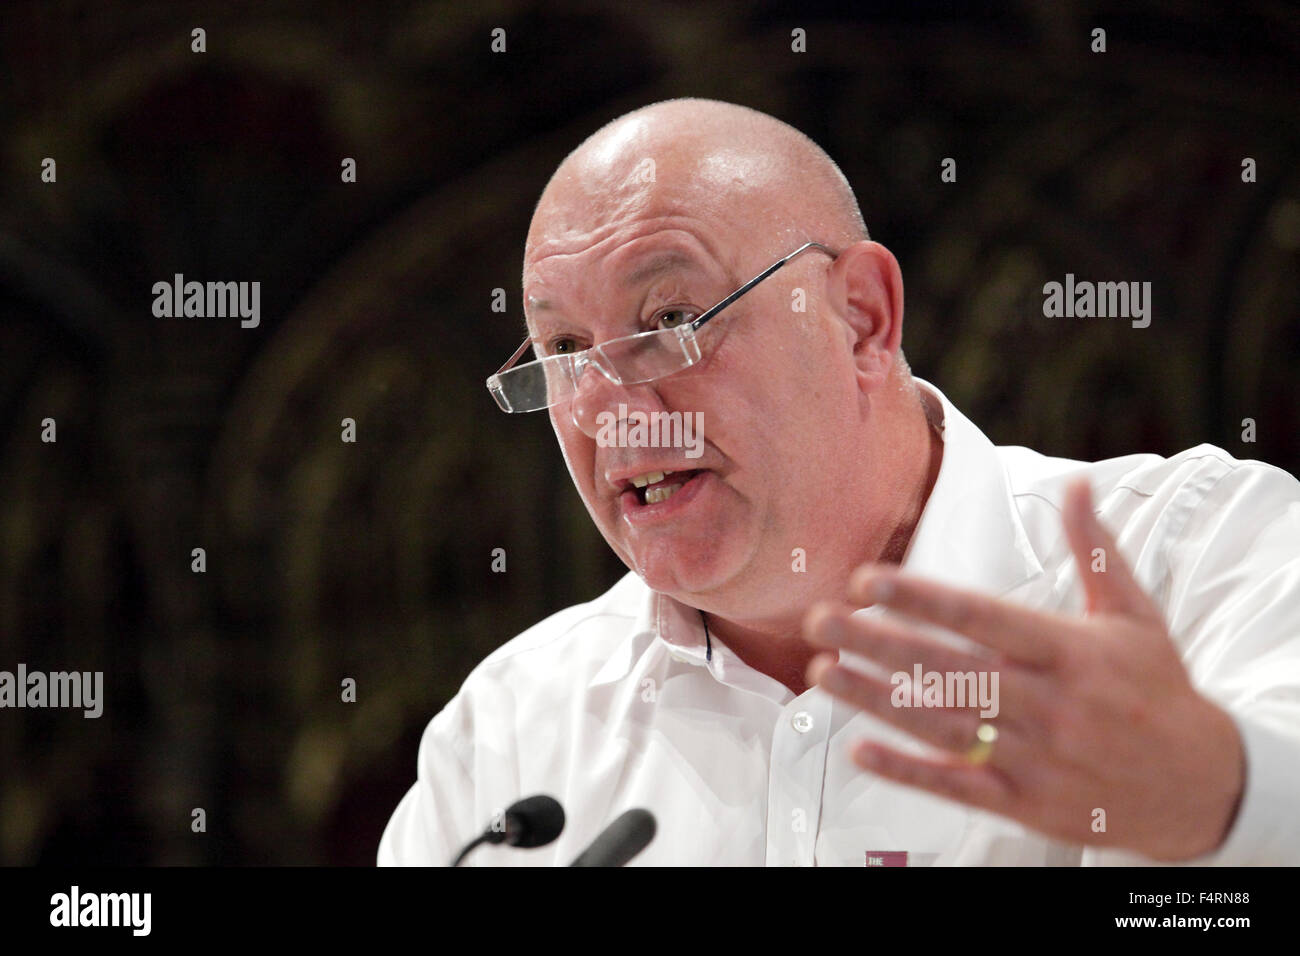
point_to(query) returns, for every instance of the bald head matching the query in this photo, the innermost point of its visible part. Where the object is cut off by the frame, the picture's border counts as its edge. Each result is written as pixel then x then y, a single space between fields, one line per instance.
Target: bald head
pixel 653 220
pixel 758 177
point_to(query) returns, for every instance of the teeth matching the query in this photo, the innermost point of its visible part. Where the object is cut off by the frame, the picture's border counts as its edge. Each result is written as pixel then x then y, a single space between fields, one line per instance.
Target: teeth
pixel 656 495
pixel 649 479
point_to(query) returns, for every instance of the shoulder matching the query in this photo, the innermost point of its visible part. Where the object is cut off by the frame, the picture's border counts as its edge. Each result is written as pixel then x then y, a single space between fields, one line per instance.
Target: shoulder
pixel 535 674
pixel 614 610
pixel 1126 486
pixel 1195 527
pixel 571 644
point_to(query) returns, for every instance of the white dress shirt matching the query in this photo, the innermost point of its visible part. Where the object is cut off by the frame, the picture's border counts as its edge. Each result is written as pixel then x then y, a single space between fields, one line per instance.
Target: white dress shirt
pixel 621 702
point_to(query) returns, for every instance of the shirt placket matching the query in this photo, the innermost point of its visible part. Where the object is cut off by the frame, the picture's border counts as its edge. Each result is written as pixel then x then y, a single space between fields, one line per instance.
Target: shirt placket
pixel 795 779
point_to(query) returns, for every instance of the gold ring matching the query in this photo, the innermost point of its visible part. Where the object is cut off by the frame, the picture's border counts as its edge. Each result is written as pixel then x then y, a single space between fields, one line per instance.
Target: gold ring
pixel 985 737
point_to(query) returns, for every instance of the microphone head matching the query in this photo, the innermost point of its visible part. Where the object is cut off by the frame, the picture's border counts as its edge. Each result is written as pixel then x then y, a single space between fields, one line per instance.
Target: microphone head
pixel 534 821
pixel 621 840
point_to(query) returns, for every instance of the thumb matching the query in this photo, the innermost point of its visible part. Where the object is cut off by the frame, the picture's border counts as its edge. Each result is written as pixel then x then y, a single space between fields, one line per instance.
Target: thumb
pixel 1108 583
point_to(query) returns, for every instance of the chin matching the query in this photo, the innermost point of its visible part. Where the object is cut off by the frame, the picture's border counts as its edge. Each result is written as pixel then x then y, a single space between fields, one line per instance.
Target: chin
pixel 677 567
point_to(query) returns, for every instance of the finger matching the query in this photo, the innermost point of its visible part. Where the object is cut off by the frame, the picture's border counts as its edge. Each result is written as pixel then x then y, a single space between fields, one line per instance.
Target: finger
pixel 976 786
pixel 904 650
pixel 1108 582
pixel 952 728
pixel 1029 637
pixel 888 643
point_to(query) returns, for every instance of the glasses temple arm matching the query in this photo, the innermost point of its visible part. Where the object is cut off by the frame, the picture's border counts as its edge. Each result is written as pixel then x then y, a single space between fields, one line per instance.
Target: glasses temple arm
pixel 756 280
pixel 515 358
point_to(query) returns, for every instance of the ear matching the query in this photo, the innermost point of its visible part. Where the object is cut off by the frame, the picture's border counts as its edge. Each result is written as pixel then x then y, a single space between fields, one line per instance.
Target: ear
pixel 866 287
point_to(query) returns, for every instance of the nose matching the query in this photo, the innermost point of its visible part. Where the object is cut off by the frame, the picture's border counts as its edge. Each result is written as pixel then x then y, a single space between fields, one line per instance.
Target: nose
pixel 596 399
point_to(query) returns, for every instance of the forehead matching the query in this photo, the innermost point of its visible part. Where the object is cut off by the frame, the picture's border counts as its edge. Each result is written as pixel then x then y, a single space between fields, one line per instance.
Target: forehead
pixel 622 263
pixel 602 226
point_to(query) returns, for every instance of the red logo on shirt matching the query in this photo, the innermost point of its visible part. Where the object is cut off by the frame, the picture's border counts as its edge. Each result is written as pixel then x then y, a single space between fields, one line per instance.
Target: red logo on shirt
pixel 886 858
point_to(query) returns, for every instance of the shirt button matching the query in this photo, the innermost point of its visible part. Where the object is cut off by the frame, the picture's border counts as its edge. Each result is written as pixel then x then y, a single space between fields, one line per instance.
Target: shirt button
pixel 802 721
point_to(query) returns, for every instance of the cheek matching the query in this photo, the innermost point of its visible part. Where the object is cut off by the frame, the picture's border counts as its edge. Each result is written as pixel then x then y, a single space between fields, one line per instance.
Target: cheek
pixel 574 449
pixel 797 408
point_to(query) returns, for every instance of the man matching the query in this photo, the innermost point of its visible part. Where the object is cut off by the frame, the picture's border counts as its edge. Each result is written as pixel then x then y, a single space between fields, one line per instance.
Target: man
pixel 763 682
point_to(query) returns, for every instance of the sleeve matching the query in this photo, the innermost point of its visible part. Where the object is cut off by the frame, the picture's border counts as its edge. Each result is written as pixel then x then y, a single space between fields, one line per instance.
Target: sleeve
pixel 433 820
pixel 1234 608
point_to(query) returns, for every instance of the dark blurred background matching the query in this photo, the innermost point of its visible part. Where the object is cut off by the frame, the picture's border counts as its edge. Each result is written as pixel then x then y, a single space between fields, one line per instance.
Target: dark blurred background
pixel 373 560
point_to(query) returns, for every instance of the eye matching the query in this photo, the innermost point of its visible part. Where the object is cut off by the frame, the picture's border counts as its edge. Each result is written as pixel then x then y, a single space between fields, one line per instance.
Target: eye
pixel 671 318
pixel 562 345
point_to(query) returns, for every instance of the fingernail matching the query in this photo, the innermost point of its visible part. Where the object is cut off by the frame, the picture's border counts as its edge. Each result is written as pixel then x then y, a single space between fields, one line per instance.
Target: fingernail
pixel 829 631
pixel 860 580
pixel 865 754
pixel 877 590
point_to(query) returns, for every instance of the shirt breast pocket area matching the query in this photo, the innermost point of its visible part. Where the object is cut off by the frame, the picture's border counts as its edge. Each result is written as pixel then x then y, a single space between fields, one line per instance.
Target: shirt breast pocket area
pixel 865 814
pixel 887 824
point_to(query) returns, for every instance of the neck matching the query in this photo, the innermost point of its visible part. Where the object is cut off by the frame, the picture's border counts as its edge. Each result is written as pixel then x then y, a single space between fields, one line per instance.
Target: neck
pixel 774 645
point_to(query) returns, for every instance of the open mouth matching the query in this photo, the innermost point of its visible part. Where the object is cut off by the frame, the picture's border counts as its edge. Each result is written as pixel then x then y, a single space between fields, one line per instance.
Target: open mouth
pixel 658 486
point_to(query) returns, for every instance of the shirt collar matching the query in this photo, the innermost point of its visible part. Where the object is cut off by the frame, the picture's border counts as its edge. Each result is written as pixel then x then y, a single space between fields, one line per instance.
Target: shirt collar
pixel 970 536
pixel 664 620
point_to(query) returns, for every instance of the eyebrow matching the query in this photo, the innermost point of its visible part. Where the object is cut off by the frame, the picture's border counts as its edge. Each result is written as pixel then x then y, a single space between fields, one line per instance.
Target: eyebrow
pixel 651 268
pixel 658 264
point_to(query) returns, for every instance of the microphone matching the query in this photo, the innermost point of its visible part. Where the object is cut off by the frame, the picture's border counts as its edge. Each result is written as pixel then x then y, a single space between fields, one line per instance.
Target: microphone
pixel 620 841
pixel 530 822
